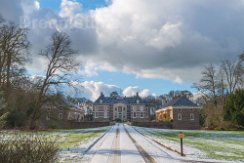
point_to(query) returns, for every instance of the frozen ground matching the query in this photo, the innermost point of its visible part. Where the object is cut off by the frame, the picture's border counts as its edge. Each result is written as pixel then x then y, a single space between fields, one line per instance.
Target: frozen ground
pixel 74 143
pixel 202 145
pixel 124 144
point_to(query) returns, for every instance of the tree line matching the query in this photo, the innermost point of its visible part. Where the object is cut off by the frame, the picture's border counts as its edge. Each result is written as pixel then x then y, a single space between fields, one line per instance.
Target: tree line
pixel 221 87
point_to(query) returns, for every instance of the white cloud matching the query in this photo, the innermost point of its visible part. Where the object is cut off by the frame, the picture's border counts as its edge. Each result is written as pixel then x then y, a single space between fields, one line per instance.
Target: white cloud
pixel 161 39
pixel 69 8
pixel 91 68
pixel 144 93
pixel 92 89
pixel 170 35
pixel 132 90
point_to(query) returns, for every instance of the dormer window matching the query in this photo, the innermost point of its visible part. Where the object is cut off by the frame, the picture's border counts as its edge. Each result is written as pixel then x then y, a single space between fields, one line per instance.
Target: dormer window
pixel 137 101
pixel 101 101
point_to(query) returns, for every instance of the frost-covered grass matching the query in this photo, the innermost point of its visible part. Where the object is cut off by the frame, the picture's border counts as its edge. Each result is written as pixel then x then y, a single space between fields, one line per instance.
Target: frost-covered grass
pixel 70 143
pixel 66 139
pixel 221 145
pixel 73 138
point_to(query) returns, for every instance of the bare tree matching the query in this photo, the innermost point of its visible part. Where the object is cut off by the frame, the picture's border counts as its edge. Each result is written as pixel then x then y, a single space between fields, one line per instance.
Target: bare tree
pixel 13 53
pixel 241 67
pixel 209 84
pixel 61 61
pixel 232 74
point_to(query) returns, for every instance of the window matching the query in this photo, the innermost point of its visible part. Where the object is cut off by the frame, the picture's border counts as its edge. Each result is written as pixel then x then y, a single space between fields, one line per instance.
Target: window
pixel 134 114
pixel 96 114
pixel 69 116
pixel 120 109
pixel 137 101
pixel 101 101
pixel 179 116
pixel 60 115
pixel 78 116
pixel 141 108
pixel 191 116
pixel 123 109
pixel 142 115
pixel 105 113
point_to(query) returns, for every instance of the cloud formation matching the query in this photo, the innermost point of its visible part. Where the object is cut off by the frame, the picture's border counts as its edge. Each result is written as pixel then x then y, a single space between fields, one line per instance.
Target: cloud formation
pixel 160 39
pixel 132 90
pixel 92 90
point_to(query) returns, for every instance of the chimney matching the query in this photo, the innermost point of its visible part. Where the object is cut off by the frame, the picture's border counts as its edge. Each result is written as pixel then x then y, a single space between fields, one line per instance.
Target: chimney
pixel 101 95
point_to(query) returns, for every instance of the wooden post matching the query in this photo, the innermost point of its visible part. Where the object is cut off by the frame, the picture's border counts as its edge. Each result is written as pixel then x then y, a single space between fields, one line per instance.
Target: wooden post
pixel 181 135
pixel 181 146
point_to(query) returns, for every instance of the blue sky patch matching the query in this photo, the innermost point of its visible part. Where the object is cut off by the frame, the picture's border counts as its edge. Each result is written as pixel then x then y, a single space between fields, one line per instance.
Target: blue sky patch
pixel 86 4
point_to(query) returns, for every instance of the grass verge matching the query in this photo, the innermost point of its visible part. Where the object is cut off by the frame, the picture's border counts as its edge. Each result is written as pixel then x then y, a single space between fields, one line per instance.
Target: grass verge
pixel 220 145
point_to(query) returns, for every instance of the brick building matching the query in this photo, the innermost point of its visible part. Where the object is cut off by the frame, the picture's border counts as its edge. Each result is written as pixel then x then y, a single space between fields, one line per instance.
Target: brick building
pixel 183 113
pixel 117 108
pixel 60 116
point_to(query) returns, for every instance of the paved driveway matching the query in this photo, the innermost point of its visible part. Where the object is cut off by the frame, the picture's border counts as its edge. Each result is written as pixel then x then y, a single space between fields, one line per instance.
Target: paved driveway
pixel 123 144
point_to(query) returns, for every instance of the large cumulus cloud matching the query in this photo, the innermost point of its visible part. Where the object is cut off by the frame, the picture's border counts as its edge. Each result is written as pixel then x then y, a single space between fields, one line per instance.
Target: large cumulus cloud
pixel 169 39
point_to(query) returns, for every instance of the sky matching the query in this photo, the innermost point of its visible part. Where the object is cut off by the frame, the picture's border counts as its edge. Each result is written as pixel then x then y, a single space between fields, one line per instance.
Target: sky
pixel 130 46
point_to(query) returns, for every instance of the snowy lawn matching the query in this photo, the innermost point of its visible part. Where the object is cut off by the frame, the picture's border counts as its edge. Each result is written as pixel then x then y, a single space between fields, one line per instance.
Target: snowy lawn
pixel 220 145
pixel 71 143
pixel 67 139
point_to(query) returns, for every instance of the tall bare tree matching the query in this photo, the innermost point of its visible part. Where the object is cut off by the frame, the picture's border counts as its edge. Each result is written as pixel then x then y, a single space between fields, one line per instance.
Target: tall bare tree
pixel 241 63
pixel 210 83
pixel 61 61
pixel 14 47
pixel 232 74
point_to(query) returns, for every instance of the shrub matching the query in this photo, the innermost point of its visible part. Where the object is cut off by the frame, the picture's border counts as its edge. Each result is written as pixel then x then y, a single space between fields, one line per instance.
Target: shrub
pixel 234 108
pixel 27 148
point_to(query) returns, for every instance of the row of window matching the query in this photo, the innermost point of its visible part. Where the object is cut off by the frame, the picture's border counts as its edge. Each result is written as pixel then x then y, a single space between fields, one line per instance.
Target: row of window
pixel 138 114
pixel 179 116
pixel 135 115
pixel 105 115
pixel 119 109
pixel 138 109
